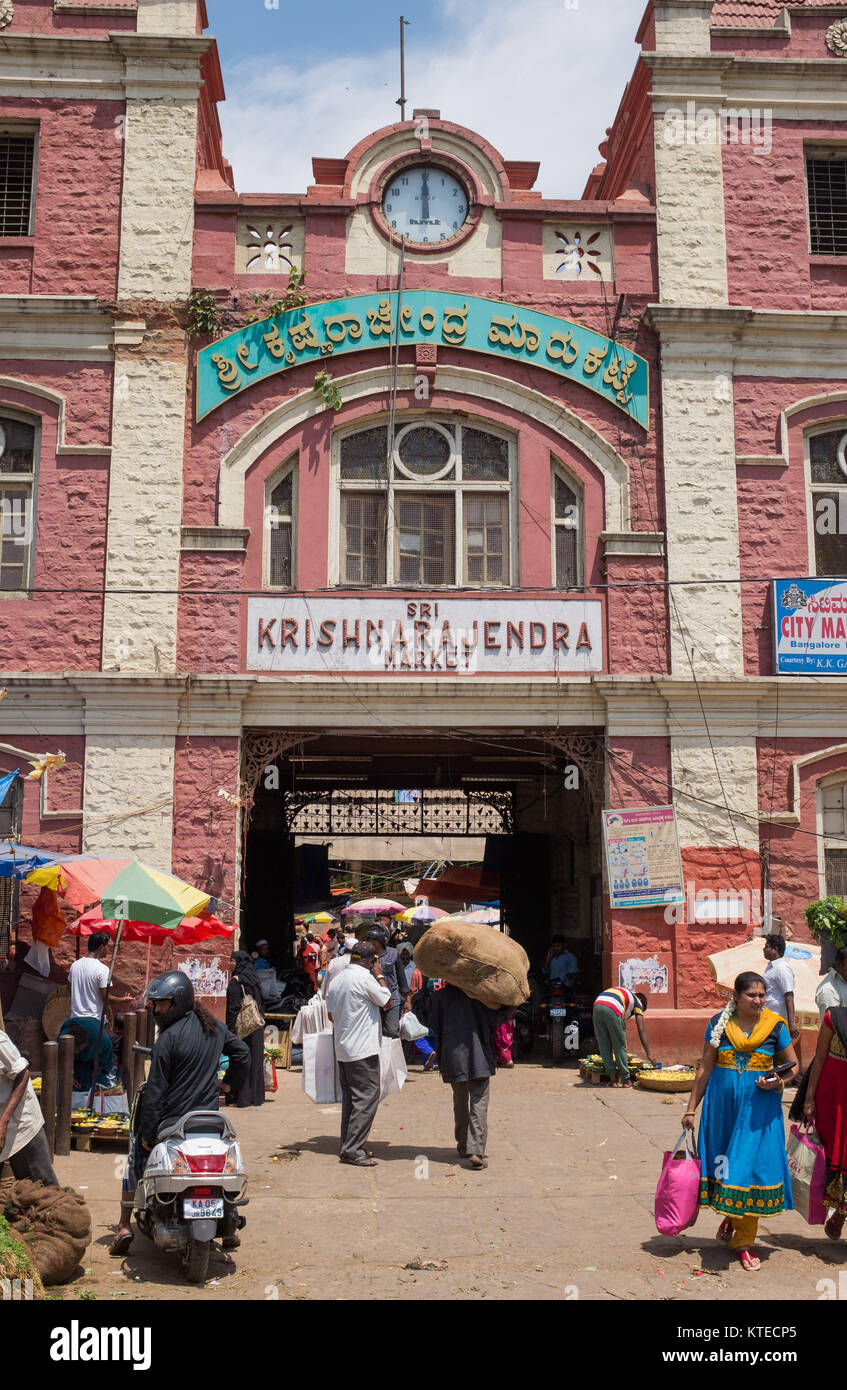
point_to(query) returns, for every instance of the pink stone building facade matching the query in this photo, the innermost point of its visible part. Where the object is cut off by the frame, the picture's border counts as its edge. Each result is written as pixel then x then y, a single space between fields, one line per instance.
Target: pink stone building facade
pixel 231 566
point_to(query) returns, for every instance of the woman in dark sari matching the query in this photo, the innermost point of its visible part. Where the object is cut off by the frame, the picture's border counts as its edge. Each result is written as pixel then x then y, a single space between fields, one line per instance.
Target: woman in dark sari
pixel 245 981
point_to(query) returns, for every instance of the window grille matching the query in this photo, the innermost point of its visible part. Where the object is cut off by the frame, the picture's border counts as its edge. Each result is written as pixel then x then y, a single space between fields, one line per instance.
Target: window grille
pixel 17 523
pixel 363 538
pixel 826 181
pixel 566 529
pixel 829 501
pixel 486 520
pixel 364 455
pixel 442 516
pixel 425 532
pixel 281 527
pixel 17 159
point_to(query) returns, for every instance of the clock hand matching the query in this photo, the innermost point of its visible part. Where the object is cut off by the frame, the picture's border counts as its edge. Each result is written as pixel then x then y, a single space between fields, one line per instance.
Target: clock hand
pixel 425 197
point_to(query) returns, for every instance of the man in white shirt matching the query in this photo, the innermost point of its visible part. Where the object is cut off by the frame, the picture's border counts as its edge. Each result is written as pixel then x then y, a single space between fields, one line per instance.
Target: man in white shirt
pixel 831 993
pixel 23 1143
pixel 779 982
pixel 334 968
pixel 88 978
pixel 354 1000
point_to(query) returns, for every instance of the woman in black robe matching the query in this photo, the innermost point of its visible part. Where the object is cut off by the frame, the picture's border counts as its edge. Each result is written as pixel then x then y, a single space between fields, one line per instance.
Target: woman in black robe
pixel 245 980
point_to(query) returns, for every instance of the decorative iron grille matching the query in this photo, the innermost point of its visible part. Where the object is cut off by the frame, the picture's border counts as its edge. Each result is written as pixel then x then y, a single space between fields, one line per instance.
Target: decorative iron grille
pixel 322 810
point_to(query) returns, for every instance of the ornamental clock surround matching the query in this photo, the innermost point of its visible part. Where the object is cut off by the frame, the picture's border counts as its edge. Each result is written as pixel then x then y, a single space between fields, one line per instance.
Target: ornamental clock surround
pixel 426 203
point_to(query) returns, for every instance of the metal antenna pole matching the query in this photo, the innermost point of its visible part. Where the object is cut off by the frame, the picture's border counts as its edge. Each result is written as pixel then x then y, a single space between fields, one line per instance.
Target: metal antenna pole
pixel 401 100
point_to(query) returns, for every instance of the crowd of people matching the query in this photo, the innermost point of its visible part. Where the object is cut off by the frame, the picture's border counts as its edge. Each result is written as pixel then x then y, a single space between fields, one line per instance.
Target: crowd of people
pixel 369 986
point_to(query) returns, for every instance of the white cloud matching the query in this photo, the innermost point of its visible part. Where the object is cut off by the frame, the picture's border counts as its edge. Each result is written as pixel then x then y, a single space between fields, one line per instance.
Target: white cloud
pixel 539 79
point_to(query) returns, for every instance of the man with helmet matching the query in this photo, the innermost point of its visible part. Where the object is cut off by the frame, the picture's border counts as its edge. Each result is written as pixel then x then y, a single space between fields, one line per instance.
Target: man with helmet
pixel 183 1076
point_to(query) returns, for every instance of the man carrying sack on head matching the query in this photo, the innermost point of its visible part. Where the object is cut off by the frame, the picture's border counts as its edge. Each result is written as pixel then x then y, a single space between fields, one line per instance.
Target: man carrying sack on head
pixel 355 999
pixel 462 1028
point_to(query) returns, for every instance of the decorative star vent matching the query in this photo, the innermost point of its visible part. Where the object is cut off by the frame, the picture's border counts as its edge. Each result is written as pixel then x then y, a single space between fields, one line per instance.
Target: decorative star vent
pixel 578 253
pixel 268 250
pixel 793 598
pixel 7 13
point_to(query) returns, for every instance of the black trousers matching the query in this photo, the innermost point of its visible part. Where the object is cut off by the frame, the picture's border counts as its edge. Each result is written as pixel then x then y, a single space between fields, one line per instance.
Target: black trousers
pixel 33 1161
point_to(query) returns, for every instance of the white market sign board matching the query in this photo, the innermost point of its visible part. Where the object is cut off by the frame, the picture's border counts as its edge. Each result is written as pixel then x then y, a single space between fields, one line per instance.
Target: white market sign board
pixel 399 635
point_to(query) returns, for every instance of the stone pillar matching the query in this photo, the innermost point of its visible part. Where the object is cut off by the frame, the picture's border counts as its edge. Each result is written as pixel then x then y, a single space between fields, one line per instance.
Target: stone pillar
pixel 167 17
pixel 129 773
pixel 701 507
pixel 151 353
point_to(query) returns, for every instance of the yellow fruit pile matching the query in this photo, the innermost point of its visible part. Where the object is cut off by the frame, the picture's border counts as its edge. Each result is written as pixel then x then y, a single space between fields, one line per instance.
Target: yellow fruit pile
pixel 84 1119
pixel 112 1126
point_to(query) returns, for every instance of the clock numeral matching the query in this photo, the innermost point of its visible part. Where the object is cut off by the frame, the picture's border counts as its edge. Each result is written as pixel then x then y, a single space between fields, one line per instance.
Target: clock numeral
pixel 455 192
pixel 394 224
pixel 396 192
pixel 388 207
pixel 443 236
pixel 426 238
pixel 404 181
pixel 460 209
pixel 455 225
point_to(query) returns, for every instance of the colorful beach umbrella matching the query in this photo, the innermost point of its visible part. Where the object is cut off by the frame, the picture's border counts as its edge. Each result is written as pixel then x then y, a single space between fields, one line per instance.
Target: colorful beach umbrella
pixel 81 879
pixel 189 931
pixel 422 913
pixel 140 893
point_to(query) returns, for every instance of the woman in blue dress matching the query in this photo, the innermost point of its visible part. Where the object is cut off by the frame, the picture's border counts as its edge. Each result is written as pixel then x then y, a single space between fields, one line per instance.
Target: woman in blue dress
pixel 742 1133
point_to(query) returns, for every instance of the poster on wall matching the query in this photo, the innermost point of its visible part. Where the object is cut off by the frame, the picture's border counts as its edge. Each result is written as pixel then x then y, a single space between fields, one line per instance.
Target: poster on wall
pixel 642 856
pixel 635 972
pixel 810 626
pixel 208 977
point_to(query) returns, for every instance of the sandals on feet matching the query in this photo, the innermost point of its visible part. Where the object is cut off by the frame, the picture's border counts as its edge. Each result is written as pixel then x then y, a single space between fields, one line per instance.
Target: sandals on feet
pixel 725 1231
pixel 477 1163
pixel 834 1226
pixel 121 1244
pixel 749 1261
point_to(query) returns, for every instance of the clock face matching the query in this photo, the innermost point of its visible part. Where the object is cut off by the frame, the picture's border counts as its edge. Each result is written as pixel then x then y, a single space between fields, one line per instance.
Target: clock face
pixel 426 203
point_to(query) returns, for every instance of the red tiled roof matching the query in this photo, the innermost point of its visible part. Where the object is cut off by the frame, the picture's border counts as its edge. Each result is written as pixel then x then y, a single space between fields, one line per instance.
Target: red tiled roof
pixel 755 14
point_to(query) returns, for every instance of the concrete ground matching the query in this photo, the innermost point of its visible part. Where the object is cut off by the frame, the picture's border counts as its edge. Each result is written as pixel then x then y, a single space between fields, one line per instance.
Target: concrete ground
pixel 564 1210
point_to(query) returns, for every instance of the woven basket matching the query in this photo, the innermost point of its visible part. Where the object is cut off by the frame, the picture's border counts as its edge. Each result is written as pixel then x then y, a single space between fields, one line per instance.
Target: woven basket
pixel 668 1081
pixel 56 1011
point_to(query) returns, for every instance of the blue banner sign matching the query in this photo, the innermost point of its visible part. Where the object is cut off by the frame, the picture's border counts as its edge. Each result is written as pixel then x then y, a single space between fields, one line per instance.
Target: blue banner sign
pixel 319 331
pixel 810 626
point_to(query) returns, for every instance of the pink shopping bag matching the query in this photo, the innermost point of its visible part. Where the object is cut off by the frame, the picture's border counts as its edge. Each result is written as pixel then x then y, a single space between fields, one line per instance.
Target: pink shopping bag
pixel 807 1166
pixel 678 1190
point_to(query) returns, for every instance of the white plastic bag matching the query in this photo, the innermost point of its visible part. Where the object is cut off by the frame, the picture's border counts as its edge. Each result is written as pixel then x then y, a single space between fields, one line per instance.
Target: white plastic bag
pixel 411 1028
pixel 321 1080
pixel 392 1067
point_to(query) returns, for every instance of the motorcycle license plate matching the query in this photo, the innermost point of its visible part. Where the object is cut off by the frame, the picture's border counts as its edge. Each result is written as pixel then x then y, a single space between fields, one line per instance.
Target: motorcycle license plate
pixel 198 1208
pixel 558 1013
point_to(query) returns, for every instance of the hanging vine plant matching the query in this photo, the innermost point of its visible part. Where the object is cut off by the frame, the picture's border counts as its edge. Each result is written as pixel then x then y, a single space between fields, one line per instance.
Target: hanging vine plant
pixel 327 389
pixel 204 315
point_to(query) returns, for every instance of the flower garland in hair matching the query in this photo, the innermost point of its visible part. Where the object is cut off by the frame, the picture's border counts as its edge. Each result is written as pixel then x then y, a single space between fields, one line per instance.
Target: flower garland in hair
pixel 720 1026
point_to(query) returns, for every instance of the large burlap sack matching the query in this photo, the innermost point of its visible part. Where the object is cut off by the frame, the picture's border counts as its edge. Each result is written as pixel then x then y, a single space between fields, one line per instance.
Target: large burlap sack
pixel 482 961
pixel 19 1277
pixel 55 1223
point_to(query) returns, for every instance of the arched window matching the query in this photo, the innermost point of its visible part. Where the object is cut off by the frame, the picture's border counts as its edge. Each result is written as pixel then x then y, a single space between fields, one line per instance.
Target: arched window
pixel 436 513
pixel 279 527
pixel 18 457
pixel 828 483
pixel 832 807
pixel 567 527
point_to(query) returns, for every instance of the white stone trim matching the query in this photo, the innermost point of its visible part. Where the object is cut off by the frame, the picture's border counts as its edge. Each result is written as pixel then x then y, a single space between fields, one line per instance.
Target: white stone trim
pixel 682 26
pixel 785 343
pixel 66 327
pixel 450 380
pixel 78 68
pixel 215 537
pixel 794 89
pixel 633 542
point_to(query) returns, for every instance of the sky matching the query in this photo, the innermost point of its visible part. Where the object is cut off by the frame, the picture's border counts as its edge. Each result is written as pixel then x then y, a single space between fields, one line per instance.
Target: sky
pixel 540 79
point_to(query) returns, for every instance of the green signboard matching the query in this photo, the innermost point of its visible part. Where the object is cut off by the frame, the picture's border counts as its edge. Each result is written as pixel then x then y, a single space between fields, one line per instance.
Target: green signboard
pixel 320 331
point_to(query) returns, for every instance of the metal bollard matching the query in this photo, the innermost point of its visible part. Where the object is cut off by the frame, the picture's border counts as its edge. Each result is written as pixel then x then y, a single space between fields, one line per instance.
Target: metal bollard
pixel 62 1141
pixel 127 1055
pixel 49 1082
pixel 141 1040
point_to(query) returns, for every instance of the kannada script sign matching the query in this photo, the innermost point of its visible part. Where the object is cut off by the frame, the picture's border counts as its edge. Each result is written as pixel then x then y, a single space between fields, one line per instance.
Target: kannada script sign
pixel 810 623
pixel 458 636
pixel 319 331
pixel 642 854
